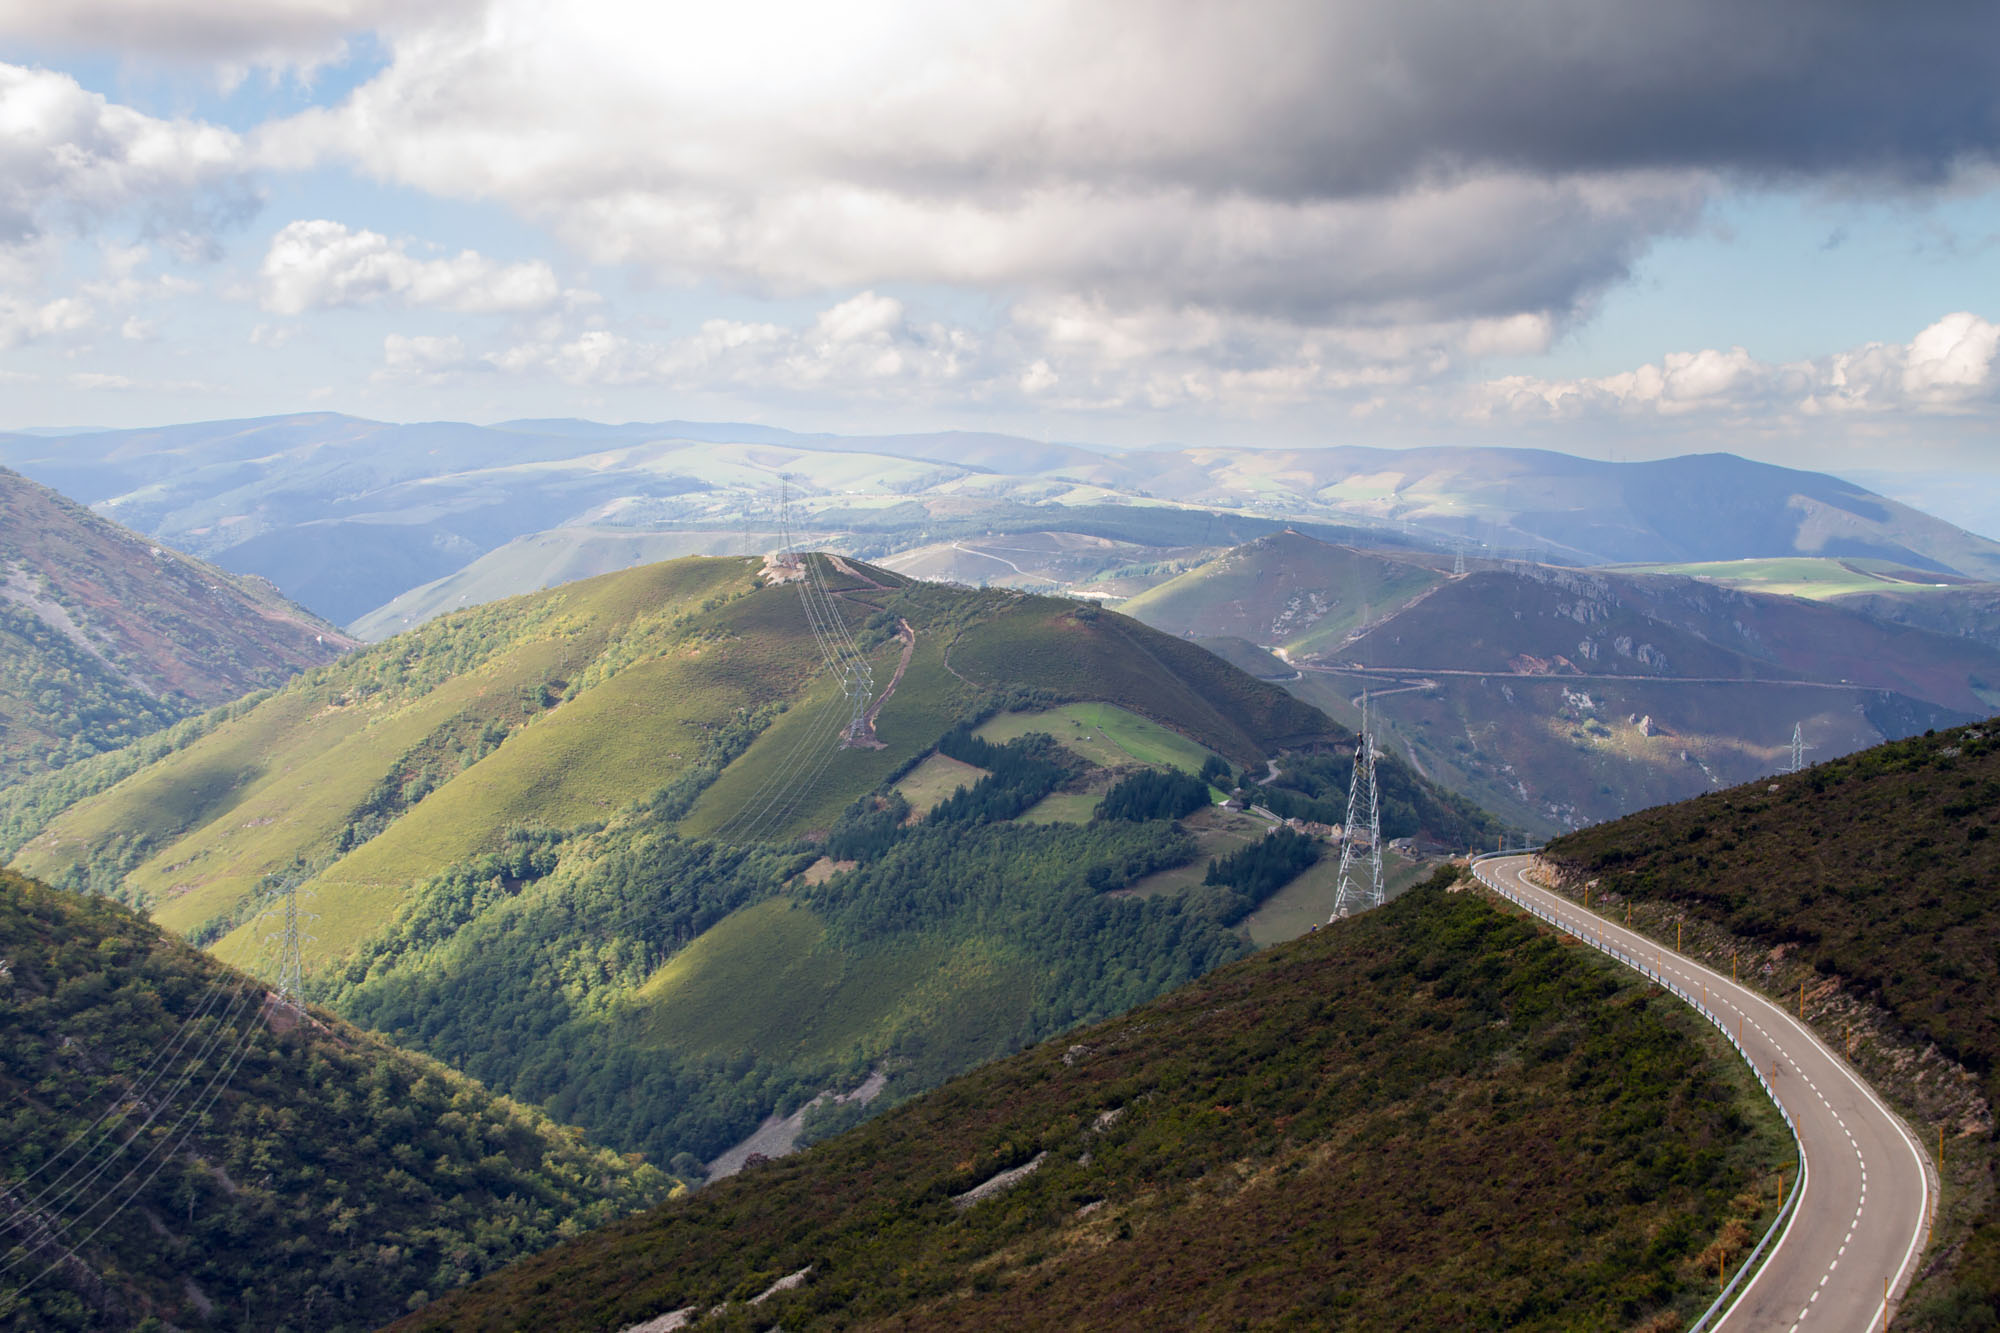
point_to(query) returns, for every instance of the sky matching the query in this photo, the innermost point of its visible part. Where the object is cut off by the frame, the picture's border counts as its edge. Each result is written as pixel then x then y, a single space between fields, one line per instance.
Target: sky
pixel 1619 229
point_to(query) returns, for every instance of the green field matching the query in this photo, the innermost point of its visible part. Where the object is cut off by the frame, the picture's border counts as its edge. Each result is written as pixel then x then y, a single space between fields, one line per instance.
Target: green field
pixel 1105 734
pixel 934 779
pixel 1814 577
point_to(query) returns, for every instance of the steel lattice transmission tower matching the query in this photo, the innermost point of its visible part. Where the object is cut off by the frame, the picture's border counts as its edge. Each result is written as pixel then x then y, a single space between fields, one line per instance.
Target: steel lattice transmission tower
pixel 289 937
pixel 1458 561
pixel 1353 895
pixel 1796 762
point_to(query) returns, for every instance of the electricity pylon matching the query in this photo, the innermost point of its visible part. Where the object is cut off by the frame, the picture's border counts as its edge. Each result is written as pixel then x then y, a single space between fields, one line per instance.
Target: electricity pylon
pixel 289 936
pixel 1353 895
pixel 1797 761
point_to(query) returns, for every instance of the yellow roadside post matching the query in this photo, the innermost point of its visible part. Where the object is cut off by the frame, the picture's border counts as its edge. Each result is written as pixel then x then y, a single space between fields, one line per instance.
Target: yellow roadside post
pixel 1732 964
pixel 1679 929
pixel 1802 1000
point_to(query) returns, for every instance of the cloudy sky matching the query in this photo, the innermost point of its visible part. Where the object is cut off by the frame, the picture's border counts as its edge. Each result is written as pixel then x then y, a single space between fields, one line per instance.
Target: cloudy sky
pixel 1617 229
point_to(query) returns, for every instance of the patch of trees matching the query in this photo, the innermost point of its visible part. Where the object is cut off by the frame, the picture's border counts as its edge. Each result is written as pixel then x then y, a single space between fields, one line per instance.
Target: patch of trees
pixel 1154 794
pixel 1255 872
pixel 867 828
pixel 1019 773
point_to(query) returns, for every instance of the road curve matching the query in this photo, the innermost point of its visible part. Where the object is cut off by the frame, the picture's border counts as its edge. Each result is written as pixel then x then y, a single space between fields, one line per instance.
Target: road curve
pixel 1852 1242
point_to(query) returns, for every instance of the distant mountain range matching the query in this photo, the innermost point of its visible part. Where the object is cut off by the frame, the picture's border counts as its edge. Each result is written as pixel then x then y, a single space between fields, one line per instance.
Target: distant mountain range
pixel 106 635
pixel 1559 697
pixel 347 515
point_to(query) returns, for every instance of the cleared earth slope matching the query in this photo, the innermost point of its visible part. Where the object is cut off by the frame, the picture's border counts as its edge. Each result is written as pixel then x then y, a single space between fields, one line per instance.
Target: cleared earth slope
pixel 1434 1115
pixel 175 1148
pixel 106 635
pixel 1864 887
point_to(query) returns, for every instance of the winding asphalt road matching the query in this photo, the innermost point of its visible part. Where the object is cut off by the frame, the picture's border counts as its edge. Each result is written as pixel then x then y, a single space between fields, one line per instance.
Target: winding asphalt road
pixel 1851 1246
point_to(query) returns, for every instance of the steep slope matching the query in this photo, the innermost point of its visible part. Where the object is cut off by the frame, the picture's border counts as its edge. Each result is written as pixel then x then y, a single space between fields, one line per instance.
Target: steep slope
pixel 1434 1115
pixel 177 1148
pixel 1863 886
pixel 1286 591
pixel 604 847
pixel 1556 697
pixel 105 635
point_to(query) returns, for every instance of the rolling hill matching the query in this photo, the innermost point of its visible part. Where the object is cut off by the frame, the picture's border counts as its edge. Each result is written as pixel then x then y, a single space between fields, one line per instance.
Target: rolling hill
pixel 347 515
pixel 1556 697
pixel 1864 886
pixel 603 846
pixel 1433 1115
pixel 106 635
pixel 179 1151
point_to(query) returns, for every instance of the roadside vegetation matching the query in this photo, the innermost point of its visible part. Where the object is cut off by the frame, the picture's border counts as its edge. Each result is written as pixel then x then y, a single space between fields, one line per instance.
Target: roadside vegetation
pixel 1866 885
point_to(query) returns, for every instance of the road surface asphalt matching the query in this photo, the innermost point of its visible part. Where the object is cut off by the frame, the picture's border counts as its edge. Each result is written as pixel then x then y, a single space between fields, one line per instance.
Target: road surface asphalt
pixel 1852 1244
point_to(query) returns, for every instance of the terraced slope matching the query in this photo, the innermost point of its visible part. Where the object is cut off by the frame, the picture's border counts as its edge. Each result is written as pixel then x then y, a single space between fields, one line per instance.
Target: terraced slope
pixel 1435 1115
pixel 106 635
pixel 174 1151
pixel 1864 886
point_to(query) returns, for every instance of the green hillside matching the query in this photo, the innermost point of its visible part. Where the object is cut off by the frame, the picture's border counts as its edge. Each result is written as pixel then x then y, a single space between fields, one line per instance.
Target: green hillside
pixel 604 849
pixel 1436 1115
pixel 1286 591
pixel 1870 881
pixel 106 636
pixel 176 1151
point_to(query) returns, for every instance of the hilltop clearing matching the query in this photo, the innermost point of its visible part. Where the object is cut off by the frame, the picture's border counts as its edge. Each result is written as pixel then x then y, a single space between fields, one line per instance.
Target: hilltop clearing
pixel 176 1148
pixel 1555 697
pixel 1864 886
pixel 1432 1115
pixel 106 636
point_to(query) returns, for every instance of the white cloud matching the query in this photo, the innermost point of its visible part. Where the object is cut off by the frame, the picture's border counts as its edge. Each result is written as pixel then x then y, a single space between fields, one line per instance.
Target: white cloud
pixel 24 321
pixel 865 345
pixel 314 264
pixel 228 32
pixel 424 358
pixel 70 158
pixel 1952 366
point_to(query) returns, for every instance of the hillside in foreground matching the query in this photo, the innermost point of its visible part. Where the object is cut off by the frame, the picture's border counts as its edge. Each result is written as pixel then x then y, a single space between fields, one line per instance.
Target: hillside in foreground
pixel 1434 1115
pixel 106 635
pixel 1871 881
pixel 174 1148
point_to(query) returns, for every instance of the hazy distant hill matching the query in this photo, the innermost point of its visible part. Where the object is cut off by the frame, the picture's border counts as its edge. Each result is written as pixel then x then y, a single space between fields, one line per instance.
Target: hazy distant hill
pixel 1562 696
pixel 346 515
pixel 174 1149
pixel 603 848
pixel 1867 880
pixel 105 635
pixel 1398 1122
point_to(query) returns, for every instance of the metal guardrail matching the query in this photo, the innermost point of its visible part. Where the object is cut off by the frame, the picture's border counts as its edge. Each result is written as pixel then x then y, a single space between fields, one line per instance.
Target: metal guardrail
pixel 1639 965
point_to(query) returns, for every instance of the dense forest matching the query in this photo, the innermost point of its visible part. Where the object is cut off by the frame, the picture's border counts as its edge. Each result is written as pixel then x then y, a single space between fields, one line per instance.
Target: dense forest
pixel 176 1150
